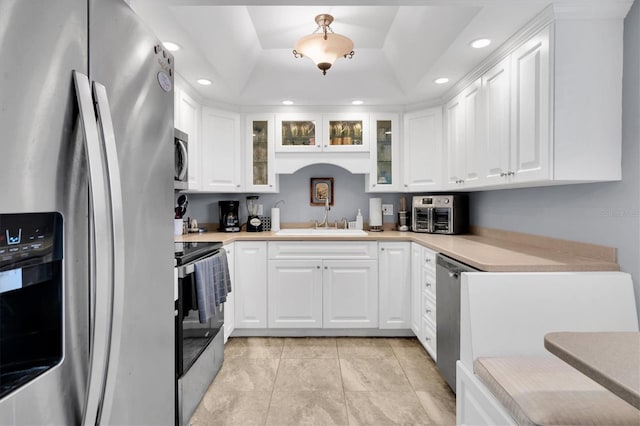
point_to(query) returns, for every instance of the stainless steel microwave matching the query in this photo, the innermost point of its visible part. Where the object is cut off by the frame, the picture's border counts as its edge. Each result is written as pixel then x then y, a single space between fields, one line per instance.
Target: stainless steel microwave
pixel 181 163
pixel 440 214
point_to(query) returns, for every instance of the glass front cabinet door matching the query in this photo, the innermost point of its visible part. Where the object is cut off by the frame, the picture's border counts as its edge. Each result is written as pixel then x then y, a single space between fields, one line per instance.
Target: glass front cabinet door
pixel 261 175
pixel 346 133
pixel 298 133
pixel 385 153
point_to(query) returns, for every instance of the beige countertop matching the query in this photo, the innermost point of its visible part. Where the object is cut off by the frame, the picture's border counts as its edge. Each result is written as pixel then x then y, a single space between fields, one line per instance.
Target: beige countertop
pixel 610 358
pixel 486 249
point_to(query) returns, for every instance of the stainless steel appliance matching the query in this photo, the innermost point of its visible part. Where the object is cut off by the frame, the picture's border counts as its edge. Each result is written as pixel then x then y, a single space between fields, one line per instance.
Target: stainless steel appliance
pixel 97 151
pixel 181 160
pixel 448 273
pixel 254 222
pixel 199 346
pixel 228 214
pixel 440 214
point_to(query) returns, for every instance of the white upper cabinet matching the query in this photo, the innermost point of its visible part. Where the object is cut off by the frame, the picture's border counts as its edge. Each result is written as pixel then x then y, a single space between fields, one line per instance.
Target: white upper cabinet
pixel 345 132
pixel 464 138
pixel 531 107
pixel 260 154
pixel 187 115
pixel 422 146
pixel 496 84
pixel 384 174
pixel 299 132
pixel 220 151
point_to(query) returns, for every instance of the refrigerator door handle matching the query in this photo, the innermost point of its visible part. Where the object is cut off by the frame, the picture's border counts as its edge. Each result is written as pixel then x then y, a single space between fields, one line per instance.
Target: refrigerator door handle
pixel 117 244
pixel 100 276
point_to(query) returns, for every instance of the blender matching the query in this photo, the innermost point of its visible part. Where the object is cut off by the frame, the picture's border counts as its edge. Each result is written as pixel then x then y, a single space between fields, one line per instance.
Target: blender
pixel 254 223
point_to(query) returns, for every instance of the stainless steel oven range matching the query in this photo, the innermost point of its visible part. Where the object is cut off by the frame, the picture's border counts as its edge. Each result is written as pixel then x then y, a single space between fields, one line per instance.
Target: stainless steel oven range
pixel 199 347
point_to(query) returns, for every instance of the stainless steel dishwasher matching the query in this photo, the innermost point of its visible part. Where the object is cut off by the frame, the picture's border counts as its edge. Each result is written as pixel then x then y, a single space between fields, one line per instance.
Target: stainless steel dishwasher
pixel 448 273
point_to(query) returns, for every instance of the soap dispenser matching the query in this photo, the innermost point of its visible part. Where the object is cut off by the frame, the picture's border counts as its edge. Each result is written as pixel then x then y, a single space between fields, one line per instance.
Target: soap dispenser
pixel 359 224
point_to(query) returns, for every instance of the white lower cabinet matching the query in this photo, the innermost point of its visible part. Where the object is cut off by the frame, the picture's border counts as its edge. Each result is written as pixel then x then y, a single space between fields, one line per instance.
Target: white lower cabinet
pixel 323 284
pixel 295 294
pixel 229 308
pixel 350 294
pixel 423 296
pixel 394 285
pixel 251 284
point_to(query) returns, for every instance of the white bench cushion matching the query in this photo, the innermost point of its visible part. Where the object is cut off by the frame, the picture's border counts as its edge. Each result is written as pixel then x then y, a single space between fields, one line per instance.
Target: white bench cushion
pixel 544 390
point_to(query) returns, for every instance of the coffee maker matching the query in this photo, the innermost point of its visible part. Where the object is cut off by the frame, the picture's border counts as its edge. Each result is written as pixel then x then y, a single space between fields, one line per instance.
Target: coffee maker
pixel 254 223
pixel 228 214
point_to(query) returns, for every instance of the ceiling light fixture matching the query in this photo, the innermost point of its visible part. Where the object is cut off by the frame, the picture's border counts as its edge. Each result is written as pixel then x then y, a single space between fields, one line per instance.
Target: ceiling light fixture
pixel 171 46
pixel 204 82
pixel 287 102
pixel 324 46
pixel 357 102
pixel 480 43
pixel 441 80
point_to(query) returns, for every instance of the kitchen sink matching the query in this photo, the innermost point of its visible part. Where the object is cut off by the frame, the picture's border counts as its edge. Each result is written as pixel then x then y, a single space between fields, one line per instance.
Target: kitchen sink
pixel 329 232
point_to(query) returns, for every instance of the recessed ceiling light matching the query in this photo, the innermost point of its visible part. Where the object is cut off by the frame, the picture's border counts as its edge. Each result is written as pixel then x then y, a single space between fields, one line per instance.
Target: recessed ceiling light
pixel 171 46
pixel 357 102
pixel 480 43
pixel 204 82
pixel 287 102
pixel 441 80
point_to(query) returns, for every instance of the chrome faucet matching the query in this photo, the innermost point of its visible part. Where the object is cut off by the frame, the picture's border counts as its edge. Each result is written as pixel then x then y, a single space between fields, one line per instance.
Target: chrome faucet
pixel 325 219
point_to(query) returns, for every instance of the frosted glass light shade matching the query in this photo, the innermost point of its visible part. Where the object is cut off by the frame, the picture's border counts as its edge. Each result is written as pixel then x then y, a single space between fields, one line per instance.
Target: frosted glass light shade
pixel 324 52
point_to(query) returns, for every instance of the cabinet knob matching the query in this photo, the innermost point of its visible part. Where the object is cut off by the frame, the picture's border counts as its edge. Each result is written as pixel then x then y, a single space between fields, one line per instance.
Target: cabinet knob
pixel 511 173
pixel 406 186
pixel 428 339
pixel 503 174
pixel 428 260
pixel 382 249
pixel 270 186
pixel 318 267
pixel 428 311
pixel 238 186
pixel 427 284
pixel 373 184
pixel 326 267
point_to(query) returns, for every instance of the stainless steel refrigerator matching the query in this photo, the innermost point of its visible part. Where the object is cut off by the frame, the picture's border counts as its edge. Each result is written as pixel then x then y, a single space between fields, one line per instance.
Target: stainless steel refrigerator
pixel 91 152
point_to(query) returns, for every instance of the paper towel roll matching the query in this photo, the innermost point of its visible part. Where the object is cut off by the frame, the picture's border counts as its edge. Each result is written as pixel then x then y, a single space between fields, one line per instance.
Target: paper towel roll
pixel 375 212
pixel 275 219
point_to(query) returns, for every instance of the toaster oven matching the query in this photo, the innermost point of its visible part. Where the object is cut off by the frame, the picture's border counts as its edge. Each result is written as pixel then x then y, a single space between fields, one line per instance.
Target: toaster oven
pixel 440 214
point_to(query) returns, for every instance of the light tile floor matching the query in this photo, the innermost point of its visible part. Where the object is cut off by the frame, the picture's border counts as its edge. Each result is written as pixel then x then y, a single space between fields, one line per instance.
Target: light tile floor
pixel 326 381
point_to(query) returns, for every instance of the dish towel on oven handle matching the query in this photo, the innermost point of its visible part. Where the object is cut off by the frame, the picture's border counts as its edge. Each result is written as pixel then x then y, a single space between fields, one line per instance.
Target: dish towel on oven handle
pixel 213 283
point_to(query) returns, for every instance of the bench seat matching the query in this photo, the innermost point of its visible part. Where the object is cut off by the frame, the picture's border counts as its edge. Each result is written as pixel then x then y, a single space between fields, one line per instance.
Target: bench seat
pixel 543 390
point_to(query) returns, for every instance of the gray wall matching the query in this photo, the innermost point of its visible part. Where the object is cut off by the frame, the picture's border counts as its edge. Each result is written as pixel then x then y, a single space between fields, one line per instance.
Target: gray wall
pixel 603 213
pixel 349 196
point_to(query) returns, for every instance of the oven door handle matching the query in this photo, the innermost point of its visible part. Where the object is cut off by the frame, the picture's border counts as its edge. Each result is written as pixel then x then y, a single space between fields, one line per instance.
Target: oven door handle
pixel 186 270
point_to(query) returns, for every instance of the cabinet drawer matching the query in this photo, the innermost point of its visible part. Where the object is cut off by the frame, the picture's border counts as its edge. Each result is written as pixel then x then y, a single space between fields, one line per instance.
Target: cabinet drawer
pixel 429 282
pixel 323 250
pixel 429 307
pixel 429 260
pixel 429 338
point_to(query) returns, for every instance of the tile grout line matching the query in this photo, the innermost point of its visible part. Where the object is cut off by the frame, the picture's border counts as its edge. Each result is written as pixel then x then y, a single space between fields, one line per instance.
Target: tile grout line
pixel 410 384
pixel 266 418
pixel 344 394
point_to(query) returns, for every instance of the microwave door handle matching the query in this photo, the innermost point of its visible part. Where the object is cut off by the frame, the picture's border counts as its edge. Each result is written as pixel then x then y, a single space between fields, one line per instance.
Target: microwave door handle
pixel 100 252
pixel 185 163
pixel 117 241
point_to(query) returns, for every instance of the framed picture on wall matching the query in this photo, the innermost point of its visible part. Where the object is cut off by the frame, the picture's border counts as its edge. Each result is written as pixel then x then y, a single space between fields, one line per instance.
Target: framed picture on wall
pixel 321 188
